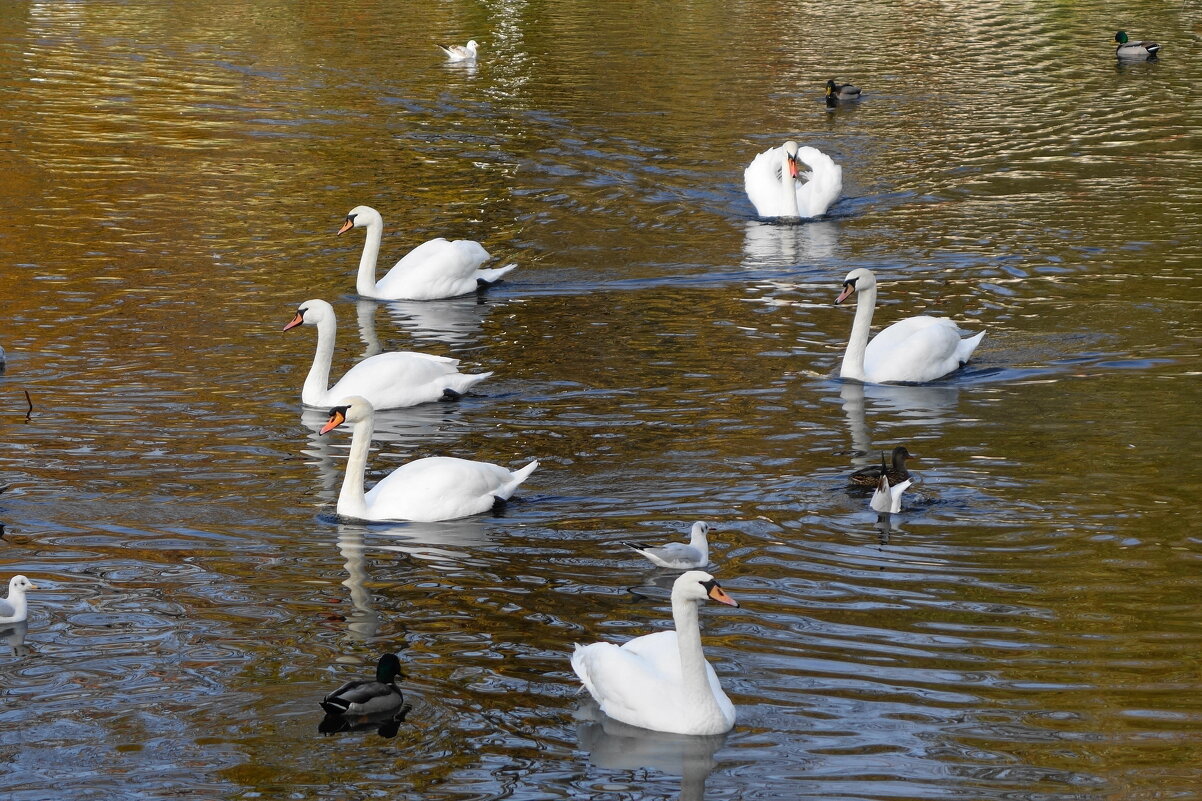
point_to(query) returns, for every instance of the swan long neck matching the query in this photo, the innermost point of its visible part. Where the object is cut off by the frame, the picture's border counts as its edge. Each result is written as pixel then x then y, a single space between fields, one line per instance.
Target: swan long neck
pixel 318 380
pixel 788 189
pixel 351 500
pixel 853 357
pixel 694 680
pixel 365 282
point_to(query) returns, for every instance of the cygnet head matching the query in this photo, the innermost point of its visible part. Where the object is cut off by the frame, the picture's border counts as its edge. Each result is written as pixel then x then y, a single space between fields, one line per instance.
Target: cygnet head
pixel 359 217
pixel 350 410
pixel 19 584
pixel 697 585
pixel 311 312
pixel 857 280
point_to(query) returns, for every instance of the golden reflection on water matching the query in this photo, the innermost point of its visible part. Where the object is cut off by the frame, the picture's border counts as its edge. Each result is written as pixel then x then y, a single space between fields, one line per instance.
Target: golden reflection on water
pixel 172 177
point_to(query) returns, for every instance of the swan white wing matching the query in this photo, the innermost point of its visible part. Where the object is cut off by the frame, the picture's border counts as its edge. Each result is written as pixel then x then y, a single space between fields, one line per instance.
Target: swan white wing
pixel 442 488
pixel 916 349
pixel 401 378
pixel 434 269
pixel 824 182
pixel 640 682
pixel 762 182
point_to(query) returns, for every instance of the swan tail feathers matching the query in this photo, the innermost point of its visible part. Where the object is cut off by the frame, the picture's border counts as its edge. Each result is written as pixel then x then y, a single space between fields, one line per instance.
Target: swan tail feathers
pixel 460 383
pixel 489 277
pixel 967 346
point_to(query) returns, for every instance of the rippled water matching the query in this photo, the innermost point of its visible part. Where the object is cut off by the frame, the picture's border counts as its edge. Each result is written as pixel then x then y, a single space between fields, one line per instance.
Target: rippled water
pixel 173 177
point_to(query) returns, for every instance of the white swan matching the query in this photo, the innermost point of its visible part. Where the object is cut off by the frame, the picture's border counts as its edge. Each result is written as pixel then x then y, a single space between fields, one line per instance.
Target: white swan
pixel 461 52
pixel 774 187
pixel 424 490
pixel 14 608
pixel 432 270
pixel 387 380
pixel 887 498
pixel 662 681
pixel 680 555
pixel 916 349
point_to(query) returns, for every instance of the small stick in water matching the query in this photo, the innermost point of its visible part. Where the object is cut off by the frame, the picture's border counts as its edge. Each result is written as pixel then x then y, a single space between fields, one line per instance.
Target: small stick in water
pixel 29 400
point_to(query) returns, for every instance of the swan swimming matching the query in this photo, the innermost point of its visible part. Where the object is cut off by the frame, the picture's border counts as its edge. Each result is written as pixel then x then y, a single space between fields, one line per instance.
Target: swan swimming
pixel 774 184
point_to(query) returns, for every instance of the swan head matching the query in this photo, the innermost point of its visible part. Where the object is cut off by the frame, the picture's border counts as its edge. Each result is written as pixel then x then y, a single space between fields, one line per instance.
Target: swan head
pixel 351 410
pixel 697 585
pixel 791 149
pixel 311 312
pixel 360 217
pixel 19 584
pixel 857 280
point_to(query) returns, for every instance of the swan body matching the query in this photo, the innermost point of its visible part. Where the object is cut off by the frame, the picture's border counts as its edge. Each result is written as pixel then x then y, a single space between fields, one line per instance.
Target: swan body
pixel 662 681
pixel 896 471
pixel 432 270
pixel 461 52
pixel 15 608
pixel 841 91
pixel 888 498
pixel 680 555
pixel 369 698
pixel 1128 49
pixel 775 187
pixel 388 380
pixel 424 490
pixel 916 349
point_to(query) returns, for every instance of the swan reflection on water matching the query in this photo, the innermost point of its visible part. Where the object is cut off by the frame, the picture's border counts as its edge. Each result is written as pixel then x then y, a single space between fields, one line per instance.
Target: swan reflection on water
pixel 933 405
pixel 451 321
pixel 615 745
pixel 777 245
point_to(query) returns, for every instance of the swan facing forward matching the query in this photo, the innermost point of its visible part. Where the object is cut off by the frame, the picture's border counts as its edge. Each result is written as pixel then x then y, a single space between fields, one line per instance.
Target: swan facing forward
pixel 680 555
pixel 424 490
pixel 15 608
pixel 432 270
pixel 387 380
pixel 774 186
pixel 916 349
pixel 461 52
pixel 662 681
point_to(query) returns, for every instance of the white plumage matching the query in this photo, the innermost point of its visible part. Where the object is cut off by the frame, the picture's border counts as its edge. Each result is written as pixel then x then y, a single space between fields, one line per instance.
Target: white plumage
pixel 15 608
pixel 680 555
pixel 778 187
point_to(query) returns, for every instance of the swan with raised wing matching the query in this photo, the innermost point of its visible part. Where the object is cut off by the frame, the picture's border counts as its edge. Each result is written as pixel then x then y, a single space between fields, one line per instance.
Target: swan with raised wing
pixel 424 490
pixel 435 269
pixel 777 185
pixel 916 349
pixel 388 380
pixel 662 681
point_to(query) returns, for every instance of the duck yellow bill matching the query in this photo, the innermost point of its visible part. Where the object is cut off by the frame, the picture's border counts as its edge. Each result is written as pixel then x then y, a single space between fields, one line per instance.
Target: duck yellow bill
pixel 719 595
pixel 336 419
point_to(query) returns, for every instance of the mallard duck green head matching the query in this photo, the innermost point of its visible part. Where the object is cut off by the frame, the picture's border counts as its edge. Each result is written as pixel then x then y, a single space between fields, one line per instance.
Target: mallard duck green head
pixel 388 669
pixel 1121 37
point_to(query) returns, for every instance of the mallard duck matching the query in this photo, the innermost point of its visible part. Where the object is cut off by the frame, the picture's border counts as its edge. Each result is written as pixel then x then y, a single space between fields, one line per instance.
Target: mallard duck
pixel 841 91
pixel 1129 49
pixel 887 498
pixel 679 555
pixel 15 608
pixel 896 471
pixel 369 698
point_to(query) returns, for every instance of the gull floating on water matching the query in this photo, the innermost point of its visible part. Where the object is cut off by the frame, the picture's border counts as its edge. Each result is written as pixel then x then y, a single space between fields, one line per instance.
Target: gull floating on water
pixel 461 52
pixel 679 555
pixel 14 608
